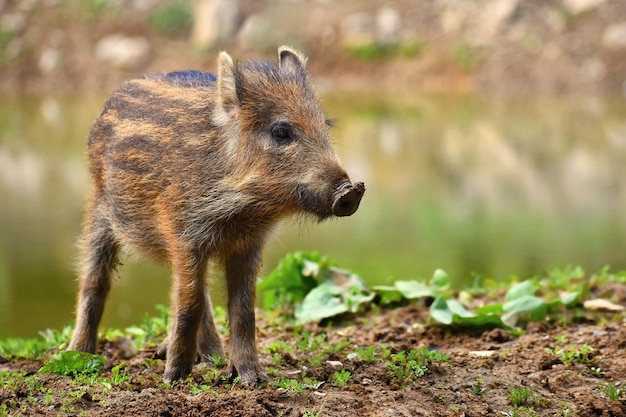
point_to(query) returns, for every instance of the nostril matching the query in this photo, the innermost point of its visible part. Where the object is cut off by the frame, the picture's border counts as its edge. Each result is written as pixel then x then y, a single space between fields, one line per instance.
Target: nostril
pixel 347 199
pixel 346 205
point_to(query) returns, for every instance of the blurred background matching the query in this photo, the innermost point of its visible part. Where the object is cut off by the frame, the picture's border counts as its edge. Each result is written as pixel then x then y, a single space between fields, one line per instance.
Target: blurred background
pixel 491 134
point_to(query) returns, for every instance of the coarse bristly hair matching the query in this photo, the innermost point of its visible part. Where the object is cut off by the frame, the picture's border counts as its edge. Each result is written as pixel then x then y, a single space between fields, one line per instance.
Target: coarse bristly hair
pixel 190 166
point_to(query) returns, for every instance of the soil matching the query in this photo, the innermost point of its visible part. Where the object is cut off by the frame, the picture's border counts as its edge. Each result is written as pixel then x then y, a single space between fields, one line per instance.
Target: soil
pixel 483 369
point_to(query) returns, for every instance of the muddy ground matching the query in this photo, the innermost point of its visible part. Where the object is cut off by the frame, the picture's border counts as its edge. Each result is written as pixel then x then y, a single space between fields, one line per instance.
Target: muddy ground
pixel 484 369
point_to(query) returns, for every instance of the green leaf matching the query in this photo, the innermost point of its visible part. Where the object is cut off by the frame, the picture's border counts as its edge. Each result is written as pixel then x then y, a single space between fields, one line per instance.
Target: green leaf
pixel 388 294
pixel 524 308
pixel 73 363
pixel 444 310
pixel 487 309
pixel 339 292
pixel 403 290
pixel 440 280
pixel 414 289
pixel 569 298
pixel 451 311
pixel 320 304
pixel 293 278
pixel 521 289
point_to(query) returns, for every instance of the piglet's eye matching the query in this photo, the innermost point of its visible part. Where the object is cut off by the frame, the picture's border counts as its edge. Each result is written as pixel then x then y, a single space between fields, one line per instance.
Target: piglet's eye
pixel 281 132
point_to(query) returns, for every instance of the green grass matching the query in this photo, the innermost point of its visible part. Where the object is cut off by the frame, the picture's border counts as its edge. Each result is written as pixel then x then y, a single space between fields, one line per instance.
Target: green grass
pixel 309 348
pixel 478 388
pixel 406 367
pixel 288 384
pixel 612 391
pixel 366 354
pixel 35 348
pixel 341 378
pixel 525 398
pixel 572 354
pixel 555 294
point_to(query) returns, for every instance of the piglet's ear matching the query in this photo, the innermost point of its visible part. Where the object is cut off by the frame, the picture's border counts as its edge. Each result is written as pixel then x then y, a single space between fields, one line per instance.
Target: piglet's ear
pixel 291 61
pixel 227 82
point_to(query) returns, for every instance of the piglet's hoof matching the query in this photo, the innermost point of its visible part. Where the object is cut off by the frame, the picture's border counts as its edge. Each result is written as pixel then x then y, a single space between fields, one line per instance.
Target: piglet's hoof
pixel 249 375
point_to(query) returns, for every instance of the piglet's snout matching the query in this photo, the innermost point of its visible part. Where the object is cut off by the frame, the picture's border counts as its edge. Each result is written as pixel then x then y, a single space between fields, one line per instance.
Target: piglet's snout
pixel 347 199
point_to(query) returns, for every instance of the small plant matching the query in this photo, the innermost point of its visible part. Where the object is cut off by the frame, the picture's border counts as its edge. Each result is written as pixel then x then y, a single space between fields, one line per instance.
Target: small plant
pixel 278 346
pixel 316 360
pixel 407 367
pixel 318 413
pixel 573 354
pixel 74 363
pixel 196 389
pixel 524 398
pixel 520 396
pixel 367 354
pixel 521 412
pixel 291 385
pixel 236 380
pixel 278 359
pixel 341 377
pixel 612 391
pixel 336 347
pixel 211 376
pixel 118 377
pixel 597 371
pixel 219 361
pixel 151 330
pixel 35 348
pixel 478 388
pixel 385 352
pixel 566 411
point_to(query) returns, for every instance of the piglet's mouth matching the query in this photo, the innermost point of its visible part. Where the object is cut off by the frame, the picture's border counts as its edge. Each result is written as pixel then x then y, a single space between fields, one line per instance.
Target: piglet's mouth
pixel 347 199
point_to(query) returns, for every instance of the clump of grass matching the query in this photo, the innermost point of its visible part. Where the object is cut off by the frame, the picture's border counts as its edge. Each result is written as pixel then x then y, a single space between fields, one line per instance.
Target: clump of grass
pixel 295 385
pixel 525 397
pixel 35 348
pixel 408 367
pixel 573 354
pixel 74 364
pixel 367 354
pixel 478 388
pixel 341 378
pixel 612 391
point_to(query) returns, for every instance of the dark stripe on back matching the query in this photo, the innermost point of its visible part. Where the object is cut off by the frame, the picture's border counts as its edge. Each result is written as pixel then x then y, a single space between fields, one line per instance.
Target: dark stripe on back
pixel 138 153
pixel 190 78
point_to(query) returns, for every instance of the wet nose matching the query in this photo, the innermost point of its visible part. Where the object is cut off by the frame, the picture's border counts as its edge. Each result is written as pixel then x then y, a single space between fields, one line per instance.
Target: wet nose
pixel 347 199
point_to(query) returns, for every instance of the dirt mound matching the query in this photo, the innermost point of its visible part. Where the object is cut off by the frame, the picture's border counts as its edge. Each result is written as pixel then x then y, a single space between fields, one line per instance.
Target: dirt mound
pixel 358 369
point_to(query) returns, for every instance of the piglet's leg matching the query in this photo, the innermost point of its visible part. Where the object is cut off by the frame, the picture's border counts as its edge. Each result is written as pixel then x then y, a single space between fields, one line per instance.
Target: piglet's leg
pixel 209 343
pixel 241 270
pixel 99 260
pixel 188 297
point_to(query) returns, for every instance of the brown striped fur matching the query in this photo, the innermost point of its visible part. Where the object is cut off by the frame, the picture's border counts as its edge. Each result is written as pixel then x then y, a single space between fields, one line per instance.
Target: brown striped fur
pixel 185 170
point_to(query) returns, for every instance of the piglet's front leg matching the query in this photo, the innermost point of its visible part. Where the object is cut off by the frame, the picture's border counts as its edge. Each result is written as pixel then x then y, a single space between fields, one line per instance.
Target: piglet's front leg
pixel 241 271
